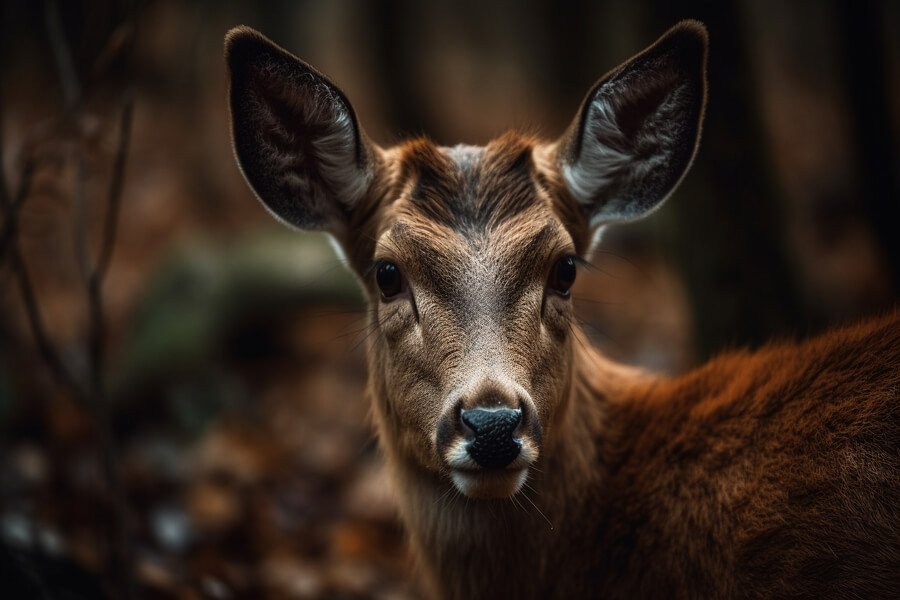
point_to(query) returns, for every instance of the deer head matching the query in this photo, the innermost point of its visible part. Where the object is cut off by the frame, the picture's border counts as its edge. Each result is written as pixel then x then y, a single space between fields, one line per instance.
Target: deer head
pixel 467 254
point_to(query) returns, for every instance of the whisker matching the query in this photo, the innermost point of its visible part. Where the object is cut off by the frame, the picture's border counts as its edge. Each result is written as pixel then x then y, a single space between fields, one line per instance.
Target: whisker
pixel 579 299
pixel 578 338
pixel 517 504
pixel 332 313
pixel 540 512
pixel 376 328
pixel 596 329
pixel 620 257
pixel 645 276
pixel 443 501
pixel 351 332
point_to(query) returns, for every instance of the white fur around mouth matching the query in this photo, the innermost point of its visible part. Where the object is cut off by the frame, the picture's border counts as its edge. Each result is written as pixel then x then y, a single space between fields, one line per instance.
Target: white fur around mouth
pixel 489 484
pixel 475 482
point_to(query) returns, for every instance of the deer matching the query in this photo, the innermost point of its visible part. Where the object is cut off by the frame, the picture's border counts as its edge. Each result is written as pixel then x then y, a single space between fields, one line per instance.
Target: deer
pixel 528 465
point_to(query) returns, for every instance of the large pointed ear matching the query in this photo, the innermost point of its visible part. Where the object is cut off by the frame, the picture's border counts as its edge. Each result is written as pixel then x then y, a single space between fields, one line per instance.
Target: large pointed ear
pixel 638 129
pixel 295 135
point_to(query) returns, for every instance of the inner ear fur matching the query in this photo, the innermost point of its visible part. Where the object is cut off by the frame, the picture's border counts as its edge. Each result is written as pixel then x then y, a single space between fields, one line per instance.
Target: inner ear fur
pixel 638 129
pixel 295 135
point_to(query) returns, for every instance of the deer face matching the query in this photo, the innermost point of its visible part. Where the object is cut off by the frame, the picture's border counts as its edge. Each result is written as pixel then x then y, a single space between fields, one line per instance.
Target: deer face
pixel 470 296
pixel 467 254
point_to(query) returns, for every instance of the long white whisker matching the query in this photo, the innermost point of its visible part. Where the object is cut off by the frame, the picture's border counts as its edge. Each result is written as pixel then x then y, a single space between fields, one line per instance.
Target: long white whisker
pixel 540 512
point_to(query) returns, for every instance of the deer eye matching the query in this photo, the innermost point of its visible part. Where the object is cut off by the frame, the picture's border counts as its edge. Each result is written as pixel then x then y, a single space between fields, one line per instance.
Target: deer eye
pixel 389 279
pixel 563 275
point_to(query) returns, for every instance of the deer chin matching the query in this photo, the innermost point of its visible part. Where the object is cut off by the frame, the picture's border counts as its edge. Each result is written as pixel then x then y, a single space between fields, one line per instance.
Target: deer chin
pixel 487 484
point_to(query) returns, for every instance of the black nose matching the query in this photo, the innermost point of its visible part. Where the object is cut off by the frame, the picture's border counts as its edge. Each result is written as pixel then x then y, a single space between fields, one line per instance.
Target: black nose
pixel 492 443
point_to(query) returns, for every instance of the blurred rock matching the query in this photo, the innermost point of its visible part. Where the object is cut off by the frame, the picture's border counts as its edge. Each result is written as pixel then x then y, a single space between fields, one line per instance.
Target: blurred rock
pixel 17 530
pixel 172 528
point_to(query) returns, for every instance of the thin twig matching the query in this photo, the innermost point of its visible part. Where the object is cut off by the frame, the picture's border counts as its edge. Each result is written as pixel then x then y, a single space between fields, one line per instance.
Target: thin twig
pixel 114 199
pixel 68 78
pixel 5 200
pixel 45 346
pixel 12 206
pixel 122 559
pixel 79 220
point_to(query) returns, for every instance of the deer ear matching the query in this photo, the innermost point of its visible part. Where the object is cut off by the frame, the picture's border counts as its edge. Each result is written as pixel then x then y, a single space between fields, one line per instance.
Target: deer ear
pixel 638 129
pixel 295 135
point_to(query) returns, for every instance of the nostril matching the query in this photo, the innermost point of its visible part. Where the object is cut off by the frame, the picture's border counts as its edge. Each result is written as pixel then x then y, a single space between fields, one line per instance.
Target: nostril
pixel 492 443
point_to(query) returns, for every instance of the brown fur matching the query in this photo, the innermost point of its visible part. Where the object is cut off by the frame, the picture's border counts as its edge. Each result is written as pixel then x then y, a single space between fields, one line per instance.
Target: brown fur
pixel 766 474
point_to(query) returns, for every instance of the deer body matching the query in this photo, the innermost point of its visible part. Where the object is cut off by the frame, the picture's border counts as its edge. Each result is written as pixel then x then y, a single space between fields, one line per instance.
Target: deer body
pixel 528 465
pixel 770 474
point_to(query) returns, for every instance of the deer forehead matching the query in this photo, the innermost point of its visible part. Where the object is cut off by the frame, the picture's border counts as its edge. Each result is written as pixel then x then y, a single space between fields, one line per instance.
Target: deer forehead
pixel 472 224
pixel 470 189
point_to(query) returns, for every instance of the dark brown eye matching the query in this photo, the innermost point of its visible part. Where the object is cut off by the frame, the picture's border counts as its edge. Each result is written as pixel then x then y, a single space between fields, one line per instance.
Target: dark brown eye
pixel 389 279
pixel 563 275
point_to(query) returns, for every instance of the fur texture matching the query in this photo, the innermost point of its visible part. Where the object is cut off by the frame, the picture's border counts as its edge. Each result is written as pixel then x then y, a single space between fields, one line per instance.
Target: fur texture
pixel 771 474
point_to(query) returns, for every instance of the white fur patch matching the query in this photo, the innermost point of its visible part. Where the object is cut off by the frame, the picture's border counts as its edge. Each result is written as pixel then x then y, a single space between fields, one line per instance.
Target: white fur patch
pixel 464 155
pixel 338 249
pixel 484 484
pixel 457 457
pixel 598 164
pixel 476 482
pixel 336 158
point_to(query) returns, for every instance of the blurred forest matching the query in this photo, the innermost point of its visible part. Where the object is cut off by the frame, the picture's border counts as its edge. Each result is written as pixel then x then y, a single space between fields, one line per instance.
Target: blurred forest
pixel 181 379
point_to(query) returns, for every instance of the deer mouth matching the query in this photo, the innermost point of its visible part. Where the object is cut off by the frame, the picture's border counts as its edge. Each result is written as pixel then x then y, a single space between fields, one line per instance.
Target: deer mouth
pixel 486 484
pixel 475 480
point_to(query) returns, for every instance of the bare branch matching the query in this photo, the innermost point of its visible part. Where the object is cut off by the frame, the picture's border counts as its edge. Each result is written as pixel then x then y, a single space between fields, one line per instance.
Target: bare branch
pixel 115 190
pixel 45 346
pixel 79 221
pixel 62 54
pixel 5 200
pixel 12 206
pixel 122 558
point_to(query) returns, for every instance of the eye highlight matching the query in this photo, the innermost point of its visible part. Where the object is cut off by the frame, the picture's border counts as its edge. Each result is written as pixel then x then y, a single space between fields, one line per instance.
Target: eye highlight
pixel 389 279
pixel 563 276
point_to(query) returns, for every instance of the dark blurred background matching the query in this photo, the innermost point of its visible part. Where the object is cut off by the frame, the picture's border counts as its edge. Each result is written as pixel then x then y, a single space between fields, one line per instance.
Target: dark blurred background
pixel 181 380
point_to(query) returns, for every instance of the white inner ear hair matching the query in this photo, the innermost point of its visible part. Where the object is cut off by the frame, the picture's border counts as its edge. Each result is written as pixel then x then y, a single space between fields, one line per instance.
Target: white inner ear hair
pixel 336 158
pixel 631 176
pixel 334 151
pixel 598 164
